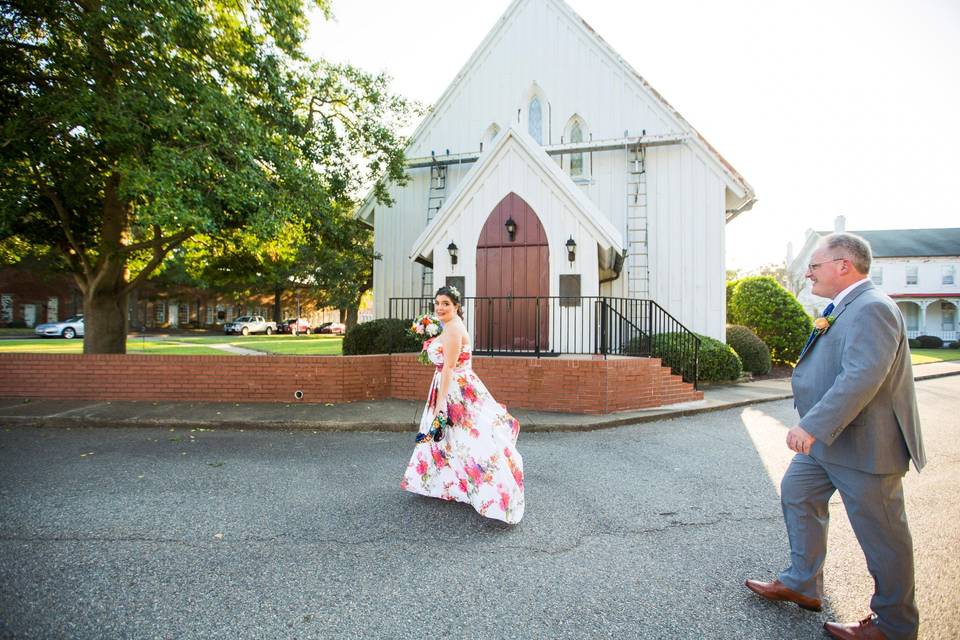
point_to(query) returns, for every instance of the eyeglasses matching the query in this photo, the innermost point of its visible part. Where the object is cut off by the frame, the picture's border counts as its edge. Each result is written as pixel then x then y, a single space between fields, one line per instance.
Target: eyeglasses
pixel 813 266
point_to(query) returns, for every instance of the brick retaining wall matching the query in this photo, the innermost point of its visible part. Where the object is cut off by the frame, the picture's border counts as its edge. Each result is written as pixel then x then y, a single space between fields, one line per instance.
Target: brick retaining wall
pixel 593 386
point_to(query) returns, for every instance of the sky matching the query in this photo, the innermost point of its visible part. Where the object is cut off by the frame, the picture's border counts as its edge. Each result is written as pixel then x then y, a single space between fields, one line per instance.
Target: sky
pixel 826 107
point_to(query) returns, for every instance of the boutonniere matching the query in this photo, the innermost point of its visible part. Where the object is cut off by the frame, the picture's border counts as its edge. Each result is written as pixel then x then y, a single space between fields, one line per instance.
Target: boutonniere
pixel 821 324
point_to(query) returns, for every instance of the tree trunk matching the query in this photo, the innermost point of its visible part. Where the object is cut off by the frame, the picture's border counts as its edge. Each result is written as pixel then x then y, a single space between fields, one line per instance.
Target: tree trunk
pixel 351 321
pixel 105 321
pixel 277 310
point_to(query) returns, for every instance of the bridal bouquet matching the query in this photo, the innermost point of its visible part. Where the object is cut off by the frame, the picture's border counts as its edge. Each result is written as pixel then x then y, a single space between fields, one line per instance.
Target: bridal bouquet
pixel 426 328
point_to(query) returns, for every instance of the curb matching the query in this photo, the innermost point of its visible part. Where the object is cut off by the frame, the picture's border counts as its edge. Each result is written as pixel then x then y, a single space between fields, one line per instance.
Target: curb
pixel 82 422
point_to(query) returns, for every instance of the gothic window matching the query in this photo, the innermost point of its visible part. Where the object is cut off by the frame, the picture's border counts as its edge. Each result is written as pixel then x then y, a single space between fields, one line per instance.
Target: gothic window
pixel 576 159
pixel 535 119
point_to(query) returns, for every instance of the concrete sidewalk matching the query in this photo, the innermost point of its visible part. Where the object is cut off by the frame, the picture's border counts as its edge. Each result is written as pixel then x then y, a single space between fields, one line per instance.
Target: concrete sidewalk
pixel 379 415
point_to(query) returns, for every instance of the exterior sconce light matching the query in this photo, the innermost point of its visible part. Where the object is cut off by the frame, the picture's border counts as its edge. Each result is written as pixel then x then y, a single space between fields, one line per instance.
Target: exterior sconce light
pixel 571 249
pixel 511 228
pixel 452 250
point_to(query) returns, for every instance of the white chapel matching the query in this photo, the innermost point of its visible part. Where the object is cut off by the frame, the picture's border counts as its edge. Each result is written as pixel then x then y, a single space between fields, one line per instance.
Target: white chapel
pixel 549 168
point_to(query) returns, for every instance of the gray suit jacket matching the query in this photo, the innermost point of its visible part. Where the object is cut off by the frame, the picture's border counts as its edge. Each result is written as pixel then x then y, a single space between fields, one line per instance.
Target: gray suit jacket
pixel 853 387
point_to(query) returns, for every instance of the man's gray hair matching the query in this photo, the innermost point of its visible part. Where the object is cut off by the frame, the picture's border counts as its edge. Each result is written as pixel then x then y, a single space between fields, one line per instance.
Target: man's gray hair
pixel 852 247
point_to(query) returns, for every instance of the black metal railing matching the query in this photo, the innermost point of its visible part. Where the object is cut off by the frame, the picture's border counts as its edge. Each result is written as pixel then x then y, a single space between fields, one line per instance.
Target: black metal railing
pixel 545 326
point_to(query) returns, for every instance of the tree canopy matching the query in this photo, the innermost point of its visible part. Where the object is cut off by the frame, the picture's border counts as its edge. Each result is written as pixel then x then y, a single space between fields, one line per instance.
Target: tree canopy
pixel 131 128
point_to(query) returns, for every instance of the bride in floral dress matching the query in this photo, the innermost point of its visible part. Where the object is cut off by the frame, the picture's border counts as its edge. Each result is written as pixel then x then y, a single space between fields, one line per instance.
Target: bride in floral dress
pixel 475 460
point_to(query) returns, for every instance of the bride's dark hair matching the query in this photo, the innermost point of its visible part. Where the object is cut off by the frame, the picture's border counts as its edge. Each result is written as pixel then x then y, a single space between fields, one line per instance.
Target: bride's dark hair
pixel 454 295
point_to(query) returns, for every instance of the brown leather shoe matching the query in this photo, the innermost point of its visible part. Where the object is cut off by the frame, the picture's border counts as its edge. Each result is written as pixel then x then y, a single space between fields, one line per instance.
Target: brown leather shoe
pixel 777 591
pixel 866 629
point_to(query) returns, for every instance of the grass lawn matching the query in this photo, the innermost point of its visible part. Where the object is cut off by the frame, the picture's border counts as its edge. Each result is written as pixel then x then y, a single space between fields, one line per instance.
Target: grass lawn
pixel 314 345
pixel 925 356
pixel 134 345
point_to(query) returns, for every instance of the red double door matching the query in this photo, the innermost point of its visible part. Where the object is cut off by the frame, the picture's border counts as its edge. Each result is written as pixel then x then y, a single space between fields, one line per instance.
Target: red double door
pixel 511 275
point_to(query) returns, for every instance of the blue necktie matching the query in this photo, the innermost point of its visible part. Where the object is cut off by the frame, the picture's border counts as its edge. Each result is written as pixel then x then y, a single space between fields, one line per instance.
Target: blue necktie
pixel 826 312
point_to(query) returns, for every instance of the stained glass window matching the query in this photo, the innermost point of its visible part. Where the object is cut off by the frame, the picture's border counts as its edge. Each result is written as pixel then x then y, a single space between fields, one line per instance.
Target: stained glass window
pixel 535 119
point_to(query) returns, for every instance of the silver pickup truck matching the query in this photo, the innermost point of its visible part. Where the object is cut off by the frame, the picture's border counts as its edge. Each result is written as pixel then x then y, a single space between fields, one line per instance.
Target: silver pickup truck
pixel 245 325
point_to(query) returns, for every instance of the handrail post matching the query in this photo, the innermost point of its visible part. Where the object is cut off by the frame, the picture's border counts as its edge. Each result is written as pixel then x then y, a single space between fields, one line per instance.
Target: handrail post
pixel 696 364
pixel 536 345
pixel 490 325
pixel 603 327
pixel 649 305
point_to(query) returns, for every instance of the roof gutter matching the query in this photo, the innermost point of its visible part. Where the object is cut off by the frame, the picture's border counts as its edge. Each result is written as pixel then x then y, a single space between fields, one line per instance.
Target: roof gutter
pixel 746 206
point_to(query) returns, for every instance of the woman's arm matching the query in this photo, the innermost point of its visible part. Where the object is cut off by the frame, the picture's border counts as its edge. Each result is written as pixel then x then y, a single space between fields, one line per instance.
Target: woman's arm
pixel 451 341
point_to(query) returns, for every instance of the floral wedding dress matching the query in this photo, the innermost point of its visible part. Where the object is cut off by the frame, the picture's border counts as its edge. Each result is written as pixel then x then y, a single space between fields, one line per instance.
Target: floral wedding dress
pixel 476 461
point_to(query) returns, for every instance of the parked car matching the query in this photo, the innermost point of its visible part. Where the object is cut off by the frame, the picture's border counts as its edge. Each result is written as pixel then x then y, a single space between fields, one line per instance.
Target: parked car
pixel 245 325
pixel 295 325
pixel 70 328
pixel 336 328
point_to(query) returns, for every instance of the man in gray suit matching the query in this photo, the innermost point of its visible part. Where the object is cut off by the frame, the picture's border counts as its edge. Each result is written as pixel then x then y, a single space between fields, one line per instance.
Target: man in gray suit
pixel 858 431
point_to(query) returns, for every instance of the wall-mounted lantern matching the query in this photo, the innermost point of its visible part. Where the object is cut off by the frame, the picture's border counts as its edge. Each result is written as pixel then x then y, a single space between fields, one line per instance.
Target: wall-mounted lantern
pixel 571 249
pixel 452 250
pixel 511 228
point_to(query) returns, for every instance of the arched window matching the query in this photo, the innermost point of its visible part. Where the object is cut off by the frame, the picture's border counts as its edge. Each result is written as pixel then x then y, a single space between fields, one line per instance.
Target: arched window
pixel 535 119
pixel 576 159
pixel 576 131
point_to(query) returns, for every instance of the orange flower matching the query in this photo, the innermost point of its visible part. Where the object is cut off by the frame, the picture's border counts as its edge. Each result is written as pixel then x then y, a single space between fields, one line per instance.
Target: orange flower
pixel 821 324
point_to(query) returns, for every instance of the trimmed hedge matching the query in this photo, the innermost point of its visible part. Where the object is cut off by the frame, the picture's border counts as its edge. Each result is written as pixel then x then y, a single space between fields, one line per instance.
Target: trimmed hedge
pixel 753 352
pixel 718 362
pixel 954 345
pixel 731 287
pixel 773 313
pixel 930 342
pixel 913 343
pixel 386 335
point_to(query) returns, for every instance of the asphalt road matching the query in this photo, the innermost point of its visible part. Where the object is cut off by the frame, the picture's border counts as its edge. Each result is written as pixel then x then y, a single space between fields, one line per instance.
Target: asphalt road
pixel 638 532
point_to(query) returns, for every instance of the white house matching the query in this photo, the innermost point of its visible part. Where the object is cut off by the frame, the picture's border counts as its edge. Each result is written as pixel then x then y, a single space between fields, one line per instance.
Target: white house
pixel 609 190
pixel 919 268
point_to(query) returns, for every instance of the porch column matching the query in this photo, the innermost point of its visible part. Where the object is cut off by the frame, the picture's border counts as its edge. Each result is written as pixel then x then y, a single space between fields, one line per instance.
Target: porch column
pixel 923 316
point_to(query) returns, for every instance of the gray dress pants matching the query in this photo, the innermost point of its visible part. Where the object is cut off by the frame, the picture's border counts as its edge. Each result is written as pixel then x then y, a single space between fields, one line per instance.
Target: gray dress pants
pixel 874 504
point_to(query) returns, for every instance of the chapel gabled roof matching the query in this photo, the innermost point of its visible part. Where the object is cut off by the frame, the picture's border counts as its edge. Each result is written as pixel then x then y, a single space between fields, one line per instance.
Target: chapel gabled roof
pixel 733 175
pixel 737 184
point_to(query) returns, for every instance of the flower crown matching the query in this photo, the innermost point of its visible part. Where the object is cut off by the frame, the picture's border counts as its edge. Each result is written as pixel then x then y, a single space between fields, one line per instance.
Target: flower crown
pixel 455 291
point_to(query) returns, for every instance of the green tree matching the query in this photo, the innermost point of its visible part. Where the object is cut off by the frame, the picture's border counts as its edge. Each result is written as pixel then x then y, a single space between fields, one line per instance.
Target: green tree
pixel 344 271
pixel 764 305
pixel 781 274
pixel 130 128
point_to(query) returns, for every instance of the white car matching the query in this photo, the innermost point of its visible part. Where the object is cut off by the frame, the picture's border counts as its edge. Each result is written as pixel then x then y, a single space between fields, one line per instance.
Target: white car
pixel 70 328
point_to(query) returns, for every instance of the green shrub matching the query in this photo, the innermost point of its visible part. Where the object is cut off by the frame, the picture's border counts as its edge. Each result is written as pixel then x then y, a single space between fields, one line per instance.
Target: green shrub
pixel 954 345
pixel 731 287
pixel 773 313
pixel 914 343
pixel 753 352
pixel 638 346
pixel 930 342
pixel 718 362
pixel 387 335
